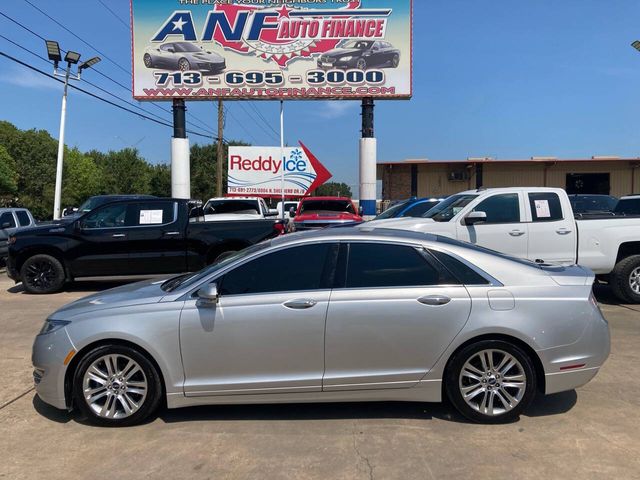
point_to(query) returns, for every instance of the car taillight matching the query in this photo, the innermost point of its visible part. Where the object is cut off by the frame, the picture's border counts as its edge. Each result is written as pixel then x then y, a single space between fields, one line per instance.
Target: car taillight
pixel 280 228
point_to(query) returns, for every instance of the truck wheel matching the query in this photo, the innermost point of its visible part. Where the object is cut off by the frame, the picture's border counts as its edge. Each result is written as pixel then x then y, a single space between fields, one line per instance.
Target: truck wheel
pixel 42 274
pixel 625 279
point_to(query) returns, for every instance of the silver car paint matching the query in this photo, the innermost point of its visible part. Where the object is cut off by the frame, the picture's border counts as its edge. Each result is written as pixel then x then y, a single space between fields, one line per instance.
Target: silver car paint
pixel 263 358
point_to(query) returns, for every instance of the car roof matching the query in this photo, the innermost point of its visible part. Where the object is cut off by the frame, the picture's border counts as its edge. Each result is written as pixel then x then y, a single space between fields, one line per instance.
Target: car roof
pixel 359 232
pixel 326 198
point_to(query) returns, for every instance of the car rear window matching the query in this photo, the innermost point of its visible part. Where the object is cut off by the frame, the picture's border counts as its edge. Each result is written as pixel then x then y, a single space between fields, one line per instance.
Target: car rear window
pixel 330 206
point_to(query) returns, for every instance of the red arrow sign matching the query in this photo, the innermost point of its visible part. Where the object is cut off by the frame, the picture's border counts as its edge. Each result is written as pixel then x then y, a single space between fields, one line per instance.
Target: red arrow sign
pixel 322 174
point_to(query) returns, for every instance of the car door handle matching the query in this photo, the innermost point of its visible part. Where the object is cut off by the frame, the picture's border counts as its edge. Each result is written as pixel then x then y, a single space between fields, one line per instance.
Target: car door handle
pixel 300 304
pixel 119 235
pixel 516 233
pixel 171 234
pixel 435 300
pixel 563 231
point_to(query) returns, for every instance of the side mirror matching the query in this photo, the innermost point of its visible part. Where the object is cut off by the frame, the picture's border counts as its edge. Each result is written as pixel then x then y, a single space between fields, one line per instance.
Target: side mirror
pixel 360 211
pixel 292 212
pixel 475 217
pixel 208 295
pixel 77 227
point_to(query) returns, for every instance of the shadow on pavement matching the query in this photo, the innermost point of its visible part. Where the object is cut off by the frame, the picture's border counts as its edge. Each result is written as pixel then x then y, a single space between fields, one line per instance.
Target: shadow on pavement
pixel 88 286
pixel 554 404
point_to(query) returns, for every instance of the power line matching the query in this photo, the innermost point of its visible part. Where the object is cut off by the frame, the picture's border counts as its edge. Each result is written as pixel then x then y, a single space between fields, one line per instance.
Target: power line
pixel 228 112
pixel 116 82
pixel 259 125
pixel 255 108
pixel 86 92
pixel 114 14
pixel 88 82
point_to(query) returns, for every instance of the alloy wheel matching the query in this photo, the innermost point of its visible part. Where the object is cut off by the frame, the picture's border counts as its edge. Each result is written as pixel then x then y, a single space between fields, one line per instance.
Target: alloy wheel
pixel 396 61
pixel 361 64
pixel 41 275
pixel 147 60
pixel 634 280
pixel 114 386
pixel 184 65
pixel 492 382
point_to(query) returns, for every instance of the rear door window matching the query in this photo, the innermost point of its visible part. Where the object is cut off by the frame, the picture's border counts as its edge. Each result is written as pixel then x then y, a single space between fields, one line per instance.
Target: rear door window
pixel 151 213
pixel 545 207
pixel 374 265
pixel 23 218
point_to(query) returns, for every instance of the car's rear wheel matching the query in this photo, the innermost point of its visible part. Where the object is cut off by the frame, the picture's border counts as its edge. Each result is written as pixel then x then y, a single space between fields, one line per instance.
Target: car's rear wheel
pixel 491 381
pixel 625 279
pixel 42 274
pixel 361 64
pixel 115 385
pixel 148 62
pixel 184 65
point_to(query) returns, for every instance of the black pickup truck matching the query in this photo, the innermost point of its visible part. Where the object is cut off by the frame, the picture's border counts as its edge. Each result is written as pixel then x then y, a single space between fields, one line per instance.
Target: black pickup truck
pixel 125 238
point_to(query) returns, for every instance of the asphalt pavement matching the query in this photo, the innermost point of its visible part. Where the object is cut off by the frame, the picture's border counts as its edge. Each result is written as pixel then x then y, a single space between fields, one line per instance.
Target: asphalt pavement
pixel 593 432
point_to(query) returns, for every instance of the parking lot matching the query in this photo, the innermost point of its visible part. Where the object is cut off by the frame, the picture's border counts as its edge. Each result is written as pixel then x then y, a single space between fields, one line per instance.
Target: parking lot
pixel 589 433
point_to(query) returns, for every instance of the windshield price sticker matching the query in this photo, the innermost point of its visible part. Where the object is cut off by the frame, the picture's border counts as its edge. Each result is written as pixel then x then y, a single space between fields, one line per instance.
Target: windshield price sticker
pixel 272 49
pixel 542 209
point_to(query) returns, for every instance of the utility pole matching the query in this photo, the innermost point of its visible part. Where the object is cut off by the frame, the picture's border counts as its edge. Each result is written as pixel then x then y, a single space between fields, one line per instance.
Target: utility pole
pixel 368 158
pixel 220 150
pixel 180 154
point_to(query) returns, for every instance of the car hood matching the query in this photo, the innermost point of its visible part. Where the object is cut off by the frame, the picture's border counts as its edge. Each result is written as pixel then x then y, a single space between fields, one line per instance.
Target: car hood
pixel 139 293
pixel 328 217
pixel 224 217
pixel 206 56
pixel 342 52
pixel 409 223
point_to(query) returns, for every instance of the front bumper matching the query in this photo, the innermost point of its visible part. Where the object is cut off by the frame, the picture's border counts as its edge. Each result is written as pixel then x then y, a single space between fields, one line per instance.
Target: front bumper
pixel 48 355
pixel 318 224
pixel 339 64
pixel 212 68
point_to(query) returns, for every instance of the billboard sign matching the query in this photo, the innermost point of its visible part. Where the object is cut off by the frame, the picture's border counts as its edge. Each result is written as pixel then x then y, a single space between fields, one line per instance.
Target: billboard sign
pixel 257 171
pixel 284 49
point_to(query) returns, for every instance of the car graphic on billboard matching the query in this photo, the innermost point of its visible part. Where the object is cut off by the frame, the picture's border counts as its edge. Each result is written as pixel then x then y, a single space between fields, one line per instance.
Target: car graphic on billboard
pixel 183 56
pixel 361 55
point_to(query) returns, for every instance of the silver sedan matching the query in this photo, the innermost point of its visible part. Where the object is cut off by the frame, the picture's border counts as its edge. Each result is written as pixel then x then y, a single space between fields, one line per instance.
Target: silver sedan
pixel 346 314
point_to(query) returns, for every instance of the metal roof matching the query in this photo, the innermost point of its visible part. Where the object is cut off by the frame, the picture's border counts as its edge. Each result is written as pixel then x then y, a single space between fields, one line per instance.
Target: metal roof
pixel 477 160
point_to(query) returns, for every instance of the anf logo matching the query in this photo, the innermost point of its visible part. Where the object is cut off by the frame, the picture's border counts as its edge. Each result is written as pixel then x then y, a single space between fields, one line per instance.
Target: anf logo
pixel 278 33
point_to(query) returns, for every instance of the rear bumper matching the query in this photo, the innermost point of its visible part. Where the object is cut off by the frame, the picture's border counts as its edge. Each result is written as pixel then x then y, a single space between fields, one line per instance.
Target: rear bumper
pixel 564 381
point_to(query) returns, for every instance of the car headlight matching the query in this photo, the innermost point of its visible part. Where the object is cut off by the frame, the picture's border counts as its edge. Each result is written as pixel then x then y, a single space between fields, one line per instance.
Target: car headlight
pixel 52 325
pixel 346 59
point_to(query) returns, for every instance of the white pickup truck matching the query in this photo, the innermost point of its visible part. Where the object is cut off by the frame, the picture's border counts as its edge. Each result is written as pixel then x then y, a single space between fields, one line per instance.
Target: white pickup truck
pixel 538 224
pixel 236 208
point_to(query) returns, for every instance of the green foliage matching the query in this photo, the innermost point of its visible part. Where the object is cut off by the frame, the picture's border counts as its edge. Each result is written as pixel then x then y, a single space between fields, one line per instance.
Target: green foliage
pixel 333 189
pixel 160 180
pixel 204 170
pixel 8 177
pixel 123 171
pixel 81 178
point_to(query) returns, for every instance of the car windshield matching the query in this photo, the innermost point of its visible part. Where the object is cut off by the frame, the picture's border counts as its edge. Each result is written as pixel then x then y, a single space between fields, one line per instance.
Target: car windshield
pixel 186 47
pixel 190 279
pixel 327 206
pixel 391 212
pixel 449 208
pixel 93 203
pixel 628 206
pixel 358 44
pixel 217 207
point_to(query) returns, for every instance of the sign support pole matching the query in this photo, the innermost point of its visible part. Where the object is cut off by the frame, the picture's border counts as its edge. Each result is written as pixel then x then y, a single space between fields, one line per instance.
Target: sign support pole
pixel 220 150
pixel 282 154
pixel 368 160
pixel 57 199
pixel 180 161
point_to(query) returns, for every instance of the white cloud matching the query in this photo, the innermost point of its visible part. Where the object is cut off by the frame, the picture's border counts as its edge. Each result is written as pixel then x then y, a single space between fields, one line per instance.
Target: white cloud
pixel 335 108
pixel 26 78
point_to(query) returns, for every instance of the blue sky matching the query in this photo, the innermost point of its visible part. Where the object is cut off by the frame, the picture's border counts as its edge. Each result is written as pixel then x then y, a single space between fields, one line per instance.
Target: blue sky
pixel 502 79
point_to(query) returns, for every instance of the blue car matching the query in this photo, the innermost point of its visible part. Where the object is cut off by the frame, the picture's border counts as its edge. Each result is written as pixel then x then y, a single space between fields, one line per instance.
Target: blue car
pixel 414 207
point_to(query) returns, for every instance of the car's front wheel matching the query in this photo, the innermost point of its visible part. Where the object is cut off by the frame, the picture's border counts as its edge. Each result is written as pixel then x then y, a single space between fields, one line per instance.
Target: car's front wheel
pixel 361 64
pixel 395 61
pixel 184 65
pixel 491 381
pixel 115 385
pixel 148 61
pixel 42 274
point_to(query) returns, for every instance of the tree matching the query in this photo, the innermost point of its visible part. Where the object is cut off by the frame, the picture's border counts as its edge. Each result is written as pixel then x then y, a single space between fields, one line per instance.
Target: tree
pixel 333 189
pixel 123 171
pixel 8 177
pixel 80 179
pixel 204 168
pixel 160 182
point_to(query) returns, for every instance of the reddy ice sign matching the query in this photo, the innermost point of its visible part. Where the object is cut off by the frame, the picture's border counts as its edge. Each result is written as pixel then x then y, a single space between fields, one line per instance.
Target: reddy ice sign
pixel 257 171
pixel 203 49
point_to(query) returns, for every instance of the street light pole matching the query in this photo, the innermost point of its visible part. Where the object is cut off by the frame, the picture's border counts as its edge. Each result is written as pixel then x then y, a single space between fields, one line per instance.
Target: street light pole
pixel 63 115
pixel 72 58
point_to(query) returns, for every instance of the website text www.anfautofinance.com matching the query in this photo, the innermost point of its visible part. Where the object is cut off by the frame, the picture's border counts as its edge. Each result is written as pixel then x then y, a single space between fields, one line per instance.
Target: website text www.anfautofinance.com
pixel 301 92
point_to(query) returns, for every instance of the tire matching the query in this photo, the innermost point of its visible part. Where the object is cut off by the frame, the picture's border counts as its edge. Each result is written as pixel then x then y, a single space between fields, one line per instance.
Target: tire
pixel 130 381
pixel 42 274
pixel 625 279
pixel 395 61
pixel 184 65
pixel 487 388
pixel 361 64
pixel 148 61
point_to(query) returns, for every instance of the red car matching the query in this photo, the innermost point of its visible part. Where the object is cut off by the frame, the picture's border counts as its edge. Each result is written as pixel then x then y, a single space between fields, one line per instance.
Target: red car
pixel 320 212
